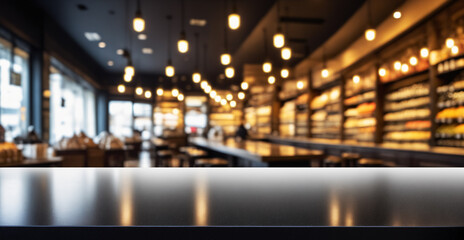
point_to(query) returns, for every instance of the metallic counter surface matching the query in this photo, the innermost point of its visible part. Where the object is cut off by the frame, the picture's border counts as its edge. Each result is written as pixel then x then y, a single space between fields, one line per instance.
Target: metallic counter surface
pixel 231 197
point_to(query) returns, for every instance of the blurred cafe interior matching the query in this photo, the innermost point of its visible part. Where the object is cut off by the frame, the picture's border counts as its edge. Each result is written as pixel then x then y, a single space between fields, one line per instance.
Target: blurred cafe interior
pixel 231 83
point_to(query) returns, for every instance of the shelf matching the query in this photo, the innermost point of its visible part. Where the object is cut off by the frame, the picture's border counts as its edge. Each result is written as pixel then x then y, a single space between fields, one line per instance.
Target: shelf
pixel 327 85
pixel 408 130
pixel 411 75
pixel 360 92
pixel 449 120
pixel 408 120
pixel 407 98
pixel 454 104
pixel 448 59
pixel 459 136
pixel 360 102
pixel 406 108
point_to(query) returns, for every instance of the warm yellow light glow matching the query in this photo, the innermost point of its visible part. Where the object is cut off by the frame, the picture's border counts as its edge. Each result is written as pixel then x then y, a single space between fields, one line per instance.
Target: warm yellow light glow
pixel 229 97
pixel 159 92
pixel 449 42
pixel 286 53
pixel 170 71
pixel 356 79
pixel 382 72
pixel 404 68
pixel 279 40
pixel 241 95
pixel 148 94
pixel 325 73
pixel 225 59
pixel 182 45
pixel 101 44
pixel 284 73
pixel 244 85
pixel 175 92
pixel 129 70
pixel 127 77
pixel 138 24
pixel 217 99
pixel 413 61
pixel 397 15
pixel 271 79
pixel 300 85
pixel 208 89
pixel 121 88
pixel 370 34
pixel 397 65
pixel 230 72
pixel 233 104
pixel 196 77
pixel 267 67
pixel 203 84
pixel 424 52
pixel 47 93
pixel 180 97
pixel 175 111
pixel 234 21
pixel 223 102
pixel 139 90
pixel 213 94
pixel 455 50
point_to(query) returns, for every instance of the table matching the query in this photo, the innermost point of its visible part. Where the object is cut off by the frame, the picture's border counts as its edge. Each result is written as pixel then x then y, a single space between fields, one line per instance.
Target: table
pixel 258 151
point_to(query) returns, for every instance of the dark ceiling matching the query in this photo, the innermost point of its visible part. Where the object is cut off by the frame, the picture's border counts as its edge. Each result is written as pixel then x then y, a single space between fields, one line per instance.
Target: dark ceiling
pixel 112 19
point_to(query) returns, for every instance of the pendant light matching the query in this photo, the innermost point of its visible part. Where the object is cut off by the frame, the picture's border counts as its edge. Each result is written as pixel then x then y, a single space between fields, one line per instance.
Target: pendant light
pixel 159 91
pixel 325 71
pixel 180 97
pixel 139 90
pixel 233 104
pixel 138 23
pixel 182 44
pixel 169 70
pixel 121 88
pixel 230 72
pixel 370 32
pixel 271 79
pixel 196 76
pixel 241 95
pixel 286 51
pixel 234 17
pixel 284 73
pixel 225 57
pixel 175 92
pixel 279 38
pixel 148 94
pixel 244 85
pixel 267 65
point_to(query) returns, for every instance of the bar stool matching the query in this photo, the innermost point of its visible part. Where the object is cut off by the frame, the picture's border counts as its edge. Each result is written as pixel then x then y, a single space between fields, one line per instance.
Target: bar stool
pixel 370 162
pixel 333 161
pixel 351 159
pixel 163 157
pixel 211 162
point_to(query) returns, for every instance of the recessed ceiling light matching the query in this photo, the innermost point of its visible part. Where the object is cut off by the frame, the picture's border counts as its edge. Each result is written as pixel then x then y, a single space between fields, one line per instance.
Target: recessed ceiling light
pixel 92 36
pixel 142 36
pixel 198 22
pixel 101 44
pixel 147 50
pixel 120 52
pixel 110 63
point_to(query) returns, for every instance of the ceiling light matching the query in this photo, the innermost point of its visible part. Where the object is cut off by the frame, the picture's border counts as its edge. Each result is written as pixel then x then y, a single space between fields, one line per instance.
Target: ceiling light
pixel 129 69
pixel 147 51
pixel 217 99
pixel 110 63
pixel 397 15
pixel 180 97
pixel 196 77
pixel 169 70
pixel 271 79
pixel 424 52
pixel 356 79
pixel 284 73
pixel 370 34
pixel 233 104
pixel 127 77
pixel 397 65
pixel 223 102
pixel 120 51
pixel 101 44
pixel 300 85
pixel 229 97
pixel 413 61
pixel 455 50
pixel 159 92
pixel 142 36
pixel 404 68
pixel 325 73
pixel 241 95
pixel 244 85
pixel 225 59
pixel 234 21
pixel 92 36
pixel 148 94
pixel 203 84
pixel 230 72
pixel 208 89
pixel 197 22
pixel 182 45
pixel 279 40
pixel 175 92
pixel 286 53
pixel 121 88
pixel 213 94
pixel 267 67
pixel 138 22
pixel 139 91
pixel 382 72
pixel 449 42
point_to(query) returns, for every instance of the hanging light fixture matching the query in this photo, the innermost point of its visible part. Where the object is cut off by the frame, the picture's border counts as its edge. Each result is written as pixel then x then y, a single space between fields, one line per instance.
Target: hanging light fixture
pixel 226 59
pixel 325 71
pixel 213 94
pixel 121 88
pixel 129 69
pixel 182 44
pixel 230 72
pixel 286 53
pixel 223 102
pixel 449 42
pixel 138 22
pixel 267 65
pixel 233 104
pixel 208 89
pixel 148 94
pixel 234 17
pixel 159 92
pixel 169 69
pixel 279 38
pixel 241 95
pixel 370 32
pixel 180 97
pixel 217 99
pixel 203 84
pixel 397 65
pixel 229 97
pixel 382 72
pixel 284 73
pixel 196 76
pixel 413 61
pixel 271 80
pixel 175 92
pixel 356 79
pixel 139 90
pixel 127 77
pixel 244 85
pixel 299 85
pixel 424 52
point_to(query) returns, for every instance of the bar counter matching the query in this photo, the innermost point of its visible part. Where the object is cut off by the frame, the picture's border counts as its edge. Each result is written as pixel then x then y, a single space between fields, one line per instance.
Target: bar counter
pixel 401 155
